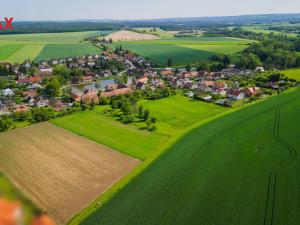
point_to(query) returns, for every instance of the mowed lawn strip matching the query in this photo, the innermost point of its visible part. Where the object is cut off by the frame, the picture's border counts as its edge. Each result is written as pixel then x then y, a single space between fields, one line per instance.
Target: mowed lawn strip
pixel 220 173
pixel 59 171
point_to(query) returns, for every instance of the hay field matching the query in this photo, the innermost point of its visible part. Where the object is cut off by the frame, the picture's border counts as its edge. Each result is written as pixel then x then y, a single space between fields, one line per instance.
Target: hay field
pixel 59 171
pixel 125 35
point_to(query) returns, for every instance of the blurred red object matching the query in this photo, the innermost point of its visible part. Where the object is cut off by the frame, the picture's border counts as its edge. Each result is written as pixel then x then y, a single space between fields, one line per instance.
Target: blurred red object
pixel 11 213
pixel 42 220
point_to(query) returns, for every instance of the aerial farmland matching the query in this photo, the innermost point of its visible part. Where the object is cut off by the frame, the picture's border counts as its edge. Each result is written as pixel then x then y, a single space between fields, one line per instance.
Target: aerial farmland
pixel 171 121
pixel 184 50
pixel 19 47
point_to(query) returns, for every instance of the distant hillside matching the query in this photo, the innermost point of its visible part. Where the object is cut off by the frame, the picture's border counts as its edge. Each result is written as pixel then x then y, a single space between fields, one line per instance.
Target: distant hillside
pixel 170 24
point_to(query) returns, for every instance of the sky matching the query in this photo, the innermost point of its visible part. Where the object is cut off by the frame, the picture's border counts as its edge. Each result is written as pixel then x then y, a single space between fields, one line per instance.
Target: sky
pixel 139 9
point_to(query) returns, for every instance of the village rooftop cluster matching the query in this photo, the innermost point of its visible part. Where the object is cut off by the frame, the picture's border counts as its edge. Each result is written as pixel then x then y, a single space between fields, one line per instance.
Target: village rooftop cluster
pixel 28 85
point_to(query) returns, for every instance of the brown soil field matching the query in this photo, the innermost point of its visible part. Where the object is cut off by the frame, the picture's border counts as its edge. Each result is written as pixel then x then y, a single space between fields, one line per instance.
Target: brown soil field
pixel 125 35
pixel 58 170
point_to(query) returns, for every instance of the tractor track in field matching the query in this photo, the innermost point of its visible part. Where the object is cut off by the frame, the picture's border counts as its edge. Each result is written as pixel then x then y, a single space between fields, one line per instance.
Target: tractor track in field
pixel 271 191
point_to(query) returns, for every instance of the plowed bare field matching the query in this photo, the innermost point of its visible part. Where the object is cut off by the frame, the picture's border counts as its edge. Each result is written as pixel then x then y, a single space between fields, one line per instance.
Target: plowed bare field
pixel 60 171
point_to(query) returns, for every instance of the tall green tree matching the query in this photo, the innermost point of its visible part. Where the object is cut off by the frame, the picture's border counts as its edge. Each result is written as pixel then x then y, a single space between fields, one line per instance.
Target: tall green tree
pixel 52 89
pixel 170 62
pixel 62 70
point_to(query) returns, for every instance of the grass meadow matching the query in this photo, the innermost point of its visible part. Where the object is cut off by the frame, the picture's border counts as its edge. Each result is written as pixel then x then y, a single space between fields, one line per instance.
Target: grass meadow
pixel 174 115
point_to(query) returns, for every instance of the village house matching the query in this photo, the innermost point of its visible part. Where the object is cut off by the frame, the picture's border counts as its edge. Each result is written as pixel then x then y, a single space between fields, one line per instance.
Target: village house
pixel 220 92
pixel 189 94
pixel 20 108
pixel 87 78
pixel 58 106
pixel 27 66
pixel 42 102
pixel 46 70
pixel 167 72
pixel 76 94
pixel 260 69
pixel 106 73
pixel 111 87
pixel 140 86
pixel 250 91
pixel 206 86
pixel 121 91
pixel 207 98
pixel 272 85
pixel 143 80
pixel 30 93
pixel 91 64
pixel 192 74
pixel 31 79
pixel 8 92
pixel 235 94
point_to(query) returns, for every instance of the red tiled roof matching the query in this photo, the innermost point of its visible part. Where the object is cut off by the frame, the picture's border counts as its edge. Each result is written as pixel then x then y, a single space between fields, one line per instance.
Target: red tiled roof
pixel 166 72
pixel 34 79
pixel 143 80
pixel 32 93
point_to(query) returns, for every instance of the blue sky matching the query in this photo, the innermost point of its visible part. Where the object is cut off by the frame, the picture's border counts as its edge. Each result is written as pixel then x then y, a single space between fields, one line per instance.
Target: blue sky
pixel 140 9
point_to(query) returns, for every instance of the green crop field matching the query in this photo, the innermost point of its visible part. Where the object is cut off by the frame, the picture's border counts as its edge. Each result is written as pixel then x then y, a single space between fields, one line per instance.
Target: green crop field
pixel 241 169
pixel 185 50
pixel 19 47
pixel 173 114
pixel 292 74
pixel 52 51
pixel 7 50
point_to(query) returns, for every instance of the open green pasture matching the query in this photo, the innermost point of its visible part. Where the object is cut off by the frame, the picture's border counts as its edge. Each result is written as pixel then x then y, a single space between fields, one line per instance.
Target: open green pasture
pixel 174 115
pixel 241 169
